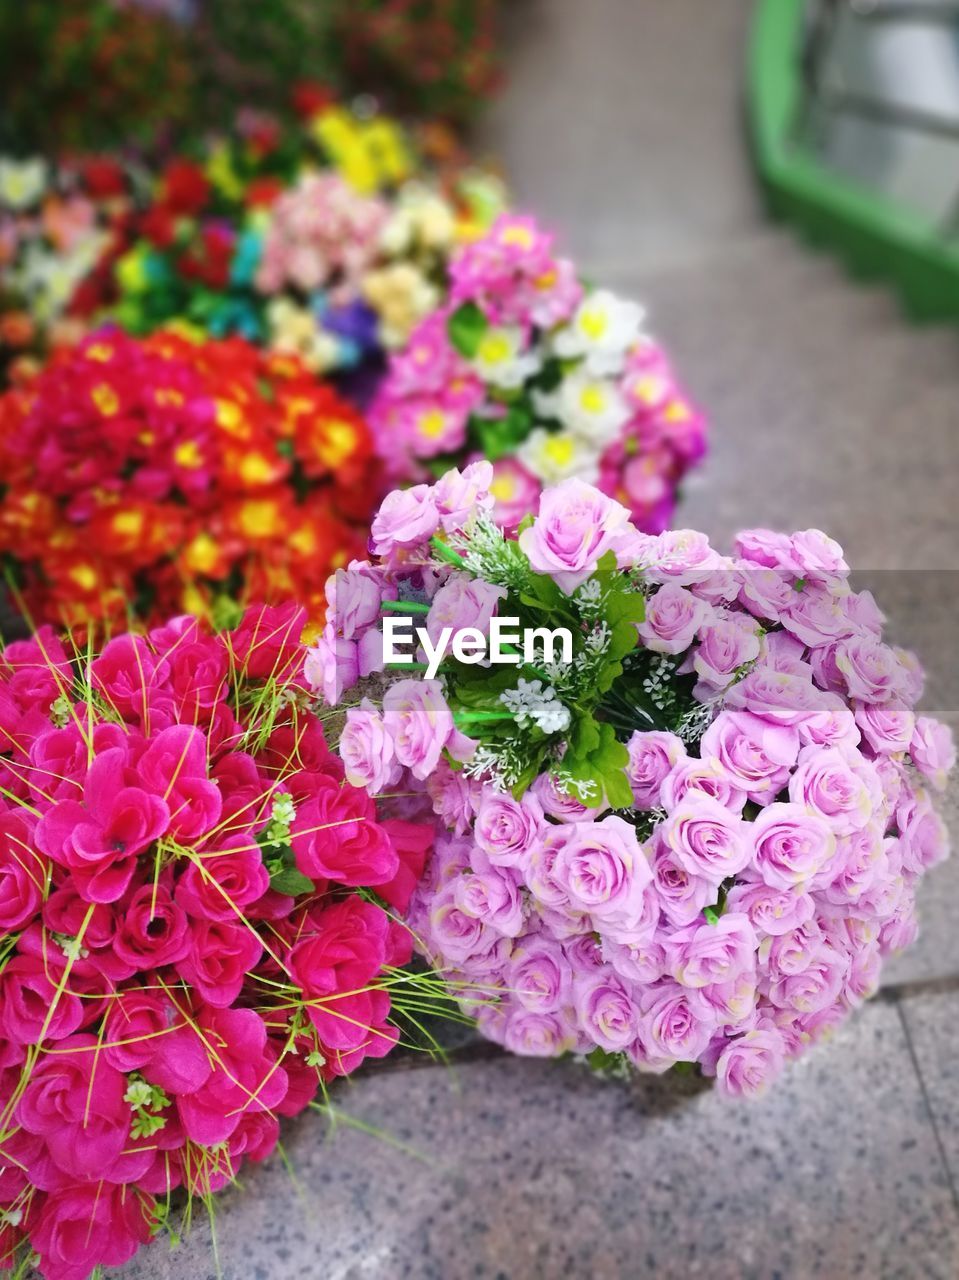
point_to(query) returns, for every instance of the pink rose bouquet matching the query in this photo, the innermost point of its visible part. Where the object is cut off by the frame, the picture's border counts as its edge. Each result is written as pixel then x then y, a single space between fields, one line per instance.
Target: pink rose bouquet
pixel 197 926
pixel 546 377
pixel 689 838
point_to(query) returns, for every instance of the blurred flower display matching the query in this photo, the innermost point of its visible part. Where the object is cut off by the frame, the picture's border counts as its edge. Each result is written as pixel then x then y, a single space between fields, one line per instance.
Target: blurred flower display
pixel 143 477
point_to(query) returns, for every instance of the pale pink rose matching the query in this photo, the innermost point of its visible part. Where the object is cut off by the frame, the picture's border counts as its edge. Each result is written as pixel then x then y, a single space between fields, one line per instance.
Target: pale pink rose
pixel 749 1063
pixel 651 757
pixel 642 964
pixel 707 776
pixel 871 670
pixel 725 1003
pixel 604 871
pixel 459 495
pixel 766 593
pixel 682 556
pixel 419 722
pixel 702 954
pixel 669 1028
pixel 366 750
pixel 754 753
pixel 790 845
pixel 539 975
pixel 835 786
pixel 818 616
pixel 406 518
pixel 558 803
pixel 491 894
pixel 816 987
pixel 673 616
pixel 681 894
pixel 772 911
pixel 463 602
pixel 776 696
pixel 725 645
pixel 886 726
pixel 575 527
pixel 605 1011
pixel 817 557
pixel 507 830
pixel 833 726
pixel 707 840
pixel 537 1035
pixel 933 750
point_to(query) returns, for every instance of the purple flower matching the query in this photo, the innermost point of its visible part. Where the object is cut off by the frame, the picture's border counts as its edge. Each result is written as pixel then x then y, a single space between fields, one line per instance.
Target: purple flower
pixel 603 870
pixel 707 840
pixel 407 518
pixel 575 527
pixel 366 750
pixel 508 829
pixel 673 616
pixel 651 757
pixel 749 1063
pixel 605 1011
pixel 933 750
pixel 701 955
pixel 790 845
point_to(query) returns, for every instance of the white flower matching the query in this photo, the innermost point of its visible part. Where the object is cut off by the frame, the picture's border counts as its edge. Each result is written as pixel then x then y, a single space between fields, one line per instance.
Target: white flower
pixel 593 408
pixel 529 701
pixel 421 219
pixel 294 331
pixel 602 331
pixel 553 456
pixel 22 182
pixel 500 359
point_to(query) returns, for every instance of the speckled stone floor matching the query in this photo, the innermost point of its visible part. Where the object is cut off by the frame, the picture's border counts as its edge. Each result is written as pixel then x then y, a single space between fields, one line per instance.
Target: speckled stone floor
pixel 621 125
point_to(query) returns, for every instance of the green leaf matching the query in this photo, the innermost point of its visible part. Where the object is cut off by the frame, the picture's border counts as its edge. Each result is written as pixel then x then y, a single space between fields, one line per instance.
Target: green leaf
pixel 466 327
pixel 291 883
pixel 500 437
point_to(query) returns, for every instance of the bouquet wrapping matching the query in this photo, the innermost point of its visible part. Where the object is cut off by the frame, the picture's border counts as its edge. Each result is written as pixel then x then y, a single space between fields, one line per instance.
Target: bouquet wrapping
pixel 546 377
pixel 197 926
pixel 689 834
pixel 153 475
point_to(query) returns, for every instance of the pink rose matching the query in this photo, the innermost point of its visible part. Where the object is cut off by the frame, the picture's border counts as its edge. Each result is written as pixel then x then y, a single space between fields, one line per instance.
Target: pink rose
pixel 539 975
pixel 458 495
pixel 835 787
pixel 887 726
pixel 175 766
pixel 933 750
pixel 218 959
pixel 463 602
pixel 575 527
pixel 223 880
pixel 559 804
pixel 74 1101
pixel 507 829
pixel 245 1079
pixel 750 1062
pixel 604 871
pixel 669 1029
pixel 772 911
pixel 420 723
pixel 152 929
pixel 724 646
pixel 366 750
pixel 23 873
pixel 755 754
pixel 813 988
pixel 537 1035
pixel 89 1225
pixel 871 670
pixel 407 518
pixel 651 757
pixel 790 845
pixel 707 840
pixel 605 1011
pixel 701 955
pixel 673 616
pixel 99 840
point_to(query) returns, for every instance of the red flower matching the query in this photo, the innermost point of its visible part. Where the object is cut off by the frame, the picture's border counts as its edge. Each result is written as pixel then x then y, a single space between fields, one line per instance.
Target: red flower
pixel 185 187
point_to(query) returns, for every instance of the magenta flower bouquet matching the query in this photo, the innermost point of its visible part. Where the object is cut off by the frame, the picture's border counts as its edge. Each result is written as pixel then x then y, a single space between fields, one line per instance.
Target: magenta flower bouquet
pixel 684 799
pixel 547 378
pixel 196 927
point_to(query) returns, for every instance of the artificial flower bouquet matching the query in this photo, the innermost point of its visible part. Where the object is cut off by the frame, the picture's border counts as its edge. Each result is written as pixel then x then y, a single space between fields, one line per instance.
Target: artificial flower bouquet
pixel 546 377
pixel 328 241
pixel 197 927
pixel 149 476
pixel 55 222
pixel 689 838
